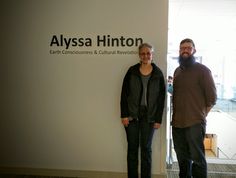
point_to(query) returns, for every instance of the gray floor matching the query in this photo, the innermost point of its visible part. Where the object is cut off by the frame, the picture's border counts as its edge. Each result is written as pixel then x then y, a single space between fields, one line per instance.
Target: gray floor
pixel 214 171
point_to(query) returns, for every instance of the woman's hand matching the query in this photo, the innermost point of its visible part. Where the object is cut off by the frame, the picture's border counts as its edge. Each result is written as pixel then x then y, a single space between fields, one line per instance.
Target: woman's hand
pixel 125 121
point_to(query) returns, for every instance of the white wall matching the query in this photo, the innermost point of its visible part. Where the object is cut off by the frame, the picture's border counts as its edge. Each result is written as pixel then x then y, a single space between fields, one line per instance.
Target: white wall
pixel 62 111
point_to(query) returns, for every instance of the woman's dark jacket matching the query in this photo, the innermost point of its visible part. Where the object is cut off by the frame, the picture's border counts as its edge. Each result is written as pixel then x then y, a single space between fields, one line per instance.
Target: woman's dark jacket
pixel 132 90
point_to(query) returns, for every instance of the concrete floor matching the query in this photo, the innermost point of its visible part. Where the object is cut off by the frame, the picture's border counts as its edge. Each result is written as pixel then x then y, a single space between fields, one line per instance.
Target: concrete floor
pixel 214 171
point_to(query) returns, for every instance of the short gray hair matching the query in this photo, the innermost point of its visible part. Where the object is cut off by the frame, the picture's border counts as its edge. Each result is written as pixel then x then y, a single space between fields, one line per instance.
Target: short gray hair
pixel 143 45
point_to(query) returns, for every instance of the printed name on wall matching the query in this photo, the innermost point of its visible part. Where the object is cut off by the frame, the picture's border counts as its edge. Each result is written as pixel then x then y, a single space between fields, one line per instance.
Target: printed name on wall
pixel 60 44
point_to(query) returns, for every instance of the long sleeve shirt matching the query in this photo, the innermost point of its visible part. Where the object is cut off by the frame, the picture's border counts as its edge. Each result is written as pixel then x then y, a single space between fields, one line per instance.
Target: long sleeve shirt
pixel 193 91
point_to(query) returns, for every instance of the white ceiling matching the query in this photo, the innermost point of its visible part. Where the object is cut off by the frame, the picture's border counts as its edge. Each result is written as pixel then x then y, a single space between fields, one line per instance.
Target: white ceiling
pixel 207 22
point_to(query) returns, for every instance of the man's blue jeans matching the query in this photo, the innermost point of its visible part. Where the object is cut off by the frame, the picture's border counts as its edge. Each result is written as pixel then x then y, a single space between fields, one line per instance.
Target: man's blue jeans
pixel 189 147
pixel 139 132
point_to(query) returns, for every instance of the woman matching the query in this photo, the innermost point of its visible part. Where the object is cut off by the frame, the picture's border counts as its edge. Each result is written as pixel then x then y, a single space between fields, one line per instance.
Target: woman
pixel 142 103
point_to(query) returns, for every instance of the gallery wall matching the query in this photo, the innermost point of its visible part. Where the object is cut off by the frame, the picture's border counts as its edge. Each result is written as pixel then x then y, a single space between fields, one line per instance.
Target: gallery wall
pixel 62 66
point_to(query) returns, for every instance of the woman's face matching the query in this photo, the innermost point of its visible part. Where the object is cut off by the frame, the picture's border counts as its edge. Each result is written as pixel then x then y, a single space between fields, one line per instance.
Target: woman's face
pixel 145 55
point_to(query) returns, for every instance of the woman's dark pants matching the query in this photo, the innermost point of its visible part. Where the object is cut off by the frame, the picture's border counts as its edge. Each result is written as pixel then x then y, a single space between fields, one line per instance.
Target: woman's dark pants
pixel 139 132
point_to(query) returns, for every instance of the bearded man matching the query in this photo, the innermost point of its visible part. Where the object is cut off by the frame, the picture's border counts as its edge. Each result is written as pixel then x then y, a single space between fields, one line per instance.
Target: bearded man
pixel 194 94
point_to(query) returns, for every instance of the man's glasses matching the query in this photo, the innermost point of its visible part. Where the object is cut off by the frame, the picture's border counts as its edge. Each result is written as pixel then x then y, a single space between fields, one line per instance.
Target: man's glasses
pixel 189 48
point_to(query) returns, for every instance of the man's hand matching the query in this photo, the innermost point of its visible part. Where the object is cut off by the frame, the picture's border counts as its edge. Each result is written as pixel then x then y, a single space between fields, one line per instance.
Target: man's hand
pixel 156 125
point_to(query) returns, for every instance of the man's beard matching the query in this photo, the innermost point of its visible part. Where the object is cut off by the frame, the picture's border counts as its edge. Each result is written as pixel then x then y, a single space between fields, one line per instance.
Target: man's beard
pixel 186 61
